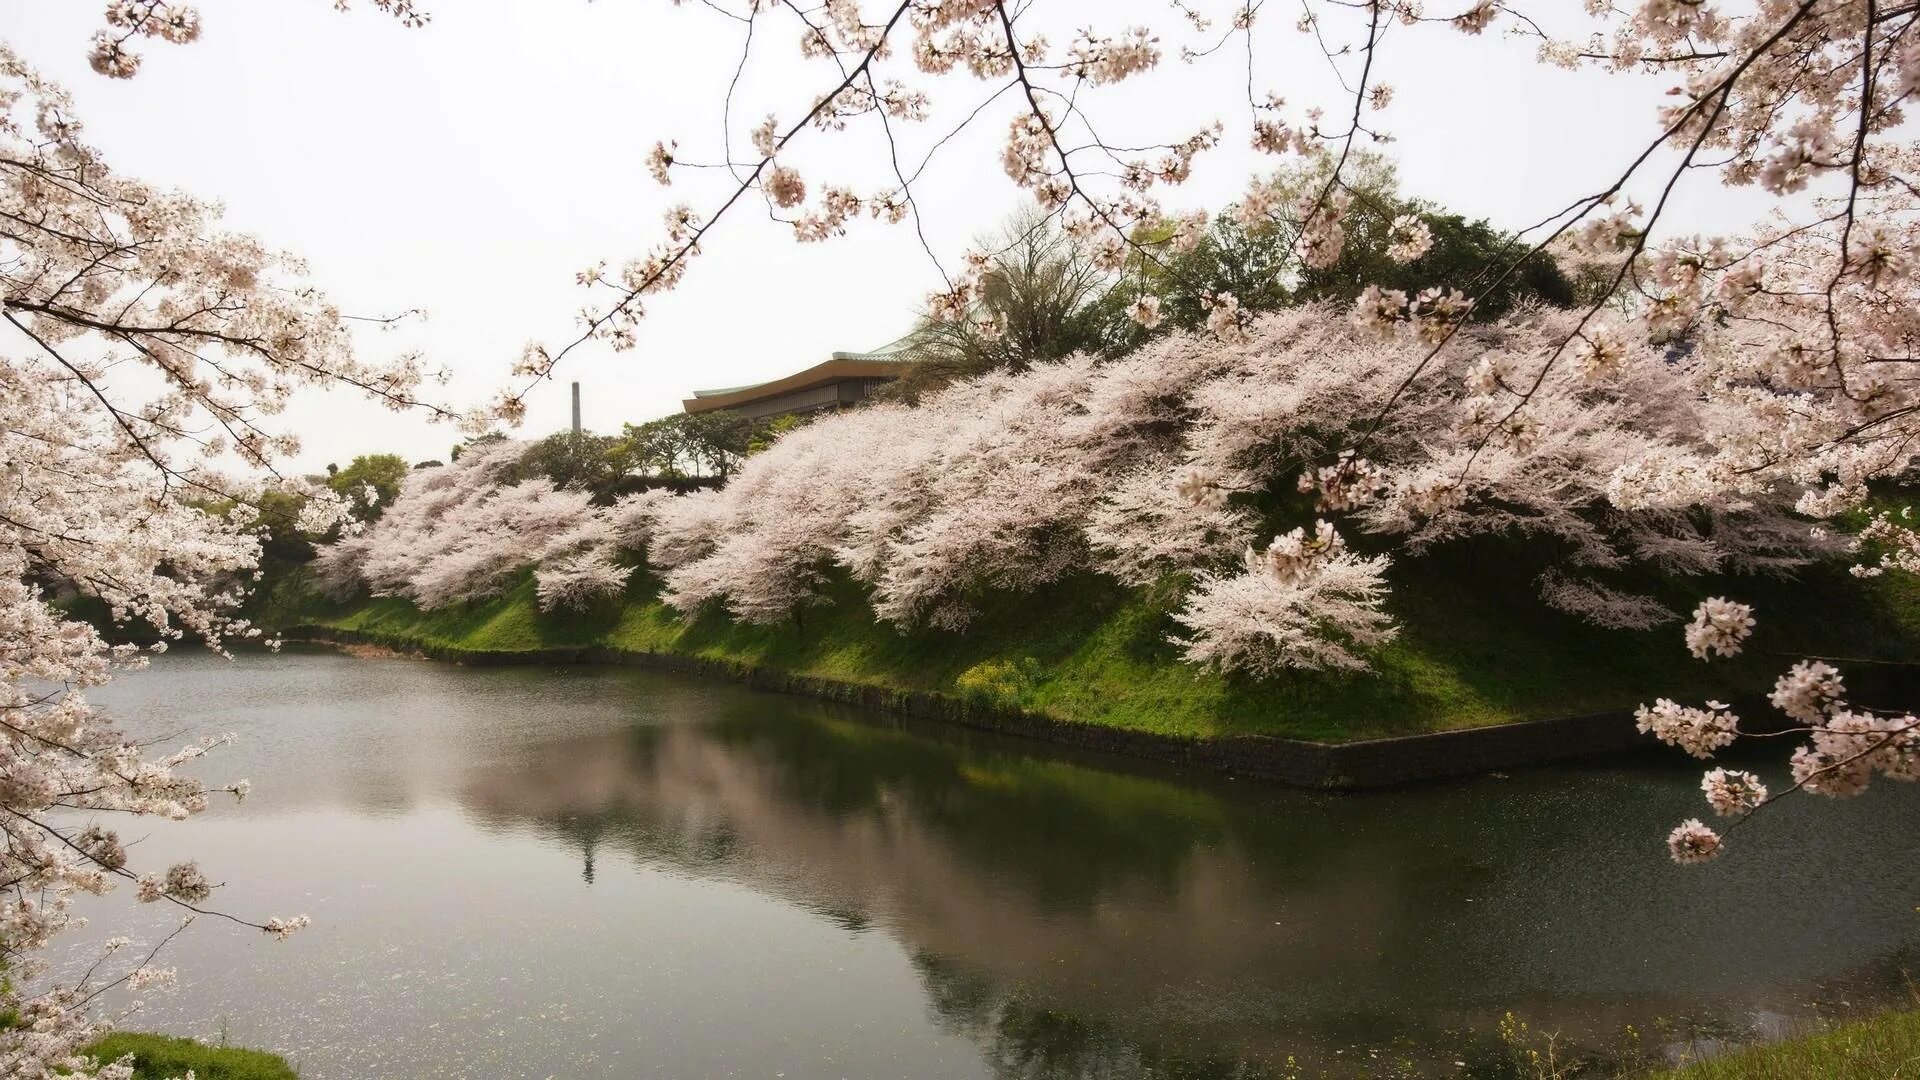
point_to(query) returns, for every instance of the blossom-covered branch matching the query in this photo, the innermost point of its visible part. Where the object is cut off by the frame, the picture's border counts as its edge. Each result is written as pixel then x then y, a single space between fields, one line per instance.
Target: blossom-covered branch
pixel 109 487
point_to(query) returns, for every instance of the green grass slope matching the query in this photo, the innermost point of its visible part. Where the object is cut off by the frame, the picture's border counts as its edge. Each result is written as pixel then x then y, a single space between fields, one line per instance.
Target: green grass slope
pixel 163 1057
pixel 1477 647
pixel 1884 1047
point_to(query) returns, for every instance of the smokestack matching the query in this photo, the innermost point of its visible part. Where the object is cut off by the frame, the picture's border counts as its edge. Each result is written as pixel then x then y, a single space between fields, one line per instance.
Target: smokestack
pixel 576 408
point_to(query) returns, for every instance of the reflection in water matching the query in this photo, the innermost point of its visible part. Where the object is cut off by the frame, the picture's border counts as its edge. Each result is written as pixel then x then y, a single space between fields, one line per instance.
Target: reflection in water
pixel 653 876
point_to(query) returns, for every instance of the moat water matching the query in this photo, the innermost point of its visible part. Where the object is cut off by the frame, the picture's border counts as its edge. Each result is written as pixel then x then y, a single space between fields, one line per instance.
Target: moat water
pixel 578 872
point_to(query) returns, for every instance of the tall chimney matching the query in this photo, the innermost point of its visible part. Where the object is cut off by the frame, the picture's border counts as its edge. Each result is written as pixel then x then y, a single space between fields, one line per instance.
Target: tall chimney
pixel 576 408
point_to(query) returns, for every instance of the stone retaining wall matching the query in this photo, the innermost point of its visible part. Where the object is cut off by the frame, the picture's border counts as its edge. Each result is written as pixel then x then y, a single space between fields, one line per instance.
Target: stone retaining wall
pixel 1371 763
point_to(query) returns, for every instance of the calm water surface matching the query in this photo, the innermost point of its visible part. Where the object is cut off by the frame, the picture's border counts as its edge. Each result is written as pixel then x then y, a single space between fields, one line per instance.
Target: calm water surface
pixel 605 873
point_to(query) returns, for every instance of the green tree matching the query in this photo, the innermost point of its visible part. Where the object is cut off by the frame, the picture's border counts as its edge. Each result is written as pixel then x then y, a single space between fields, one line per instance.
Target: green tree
pixel 284 544
pixel 720 439
pixel 277 512
pixel 691 444
pixel 656 448
pixel 574 460
pixel 1039 292
pixel 382 472
pixel 1259 267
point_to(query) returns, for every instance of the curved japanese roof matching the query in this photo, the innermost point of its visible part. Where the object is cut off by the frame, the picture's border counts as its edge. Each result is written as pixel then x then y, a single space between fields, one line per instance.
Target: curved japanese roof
pixel 881 363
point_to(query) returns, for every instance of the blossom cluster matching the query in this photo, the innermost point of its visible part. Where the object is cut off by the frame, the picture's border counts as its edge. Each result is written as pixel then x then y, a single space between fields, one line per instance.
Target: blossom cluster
pixel 1719 625
pixel 179 23
pixel 1846 746
pixel 1350 482
pixel 1692 841
pixel 1297 555
pixel 1732 791
pixel 127 19
pixel 468 531
pixel 1699 732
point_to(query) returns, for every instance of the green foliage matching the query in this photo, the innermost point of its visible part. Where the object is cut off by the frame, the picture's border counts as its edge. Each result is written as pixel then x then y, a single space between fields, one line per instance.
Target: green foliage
pixel 477 440
pixel 1461 255
pixel 693 444
pixel 1000 681
pixel 163 1057
pixel 1252 265
pixel 1259 268
pixel 1040 290
pixel 1879 1048
pixel 278 513
pixel 771 430
pixel 382 472
pixel 720 438
pixel 1051 300
pixel 284 543
pixel 570 460
pixel 1465 255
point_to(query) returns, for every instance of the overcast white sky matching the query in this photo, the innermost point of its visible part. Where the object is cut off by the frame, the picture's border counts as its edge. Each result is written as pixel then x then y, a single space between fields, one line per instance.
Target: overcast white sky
pixel 472 167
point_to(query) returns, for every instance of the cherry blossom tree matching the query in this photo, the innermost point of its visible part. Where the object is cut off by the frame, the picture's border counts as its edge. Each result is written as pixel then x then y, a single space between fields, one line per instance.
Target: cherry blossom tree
pixel 1301 603
pixel 470 530
pixel 146 354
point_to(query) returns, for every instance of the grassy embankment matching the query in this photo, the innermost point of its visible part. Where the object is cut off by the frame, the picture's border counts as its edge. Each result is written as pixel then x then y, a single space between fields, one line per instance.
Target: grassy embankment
pixel 162 1056
pixel 1477 647
pixel 1885 1047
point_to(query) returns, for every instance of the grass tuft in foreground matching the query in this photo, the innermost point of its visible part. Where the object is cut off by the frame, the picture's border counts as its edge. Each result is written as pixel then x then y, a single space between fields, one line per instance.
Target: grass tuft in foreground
pixel 164 1057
